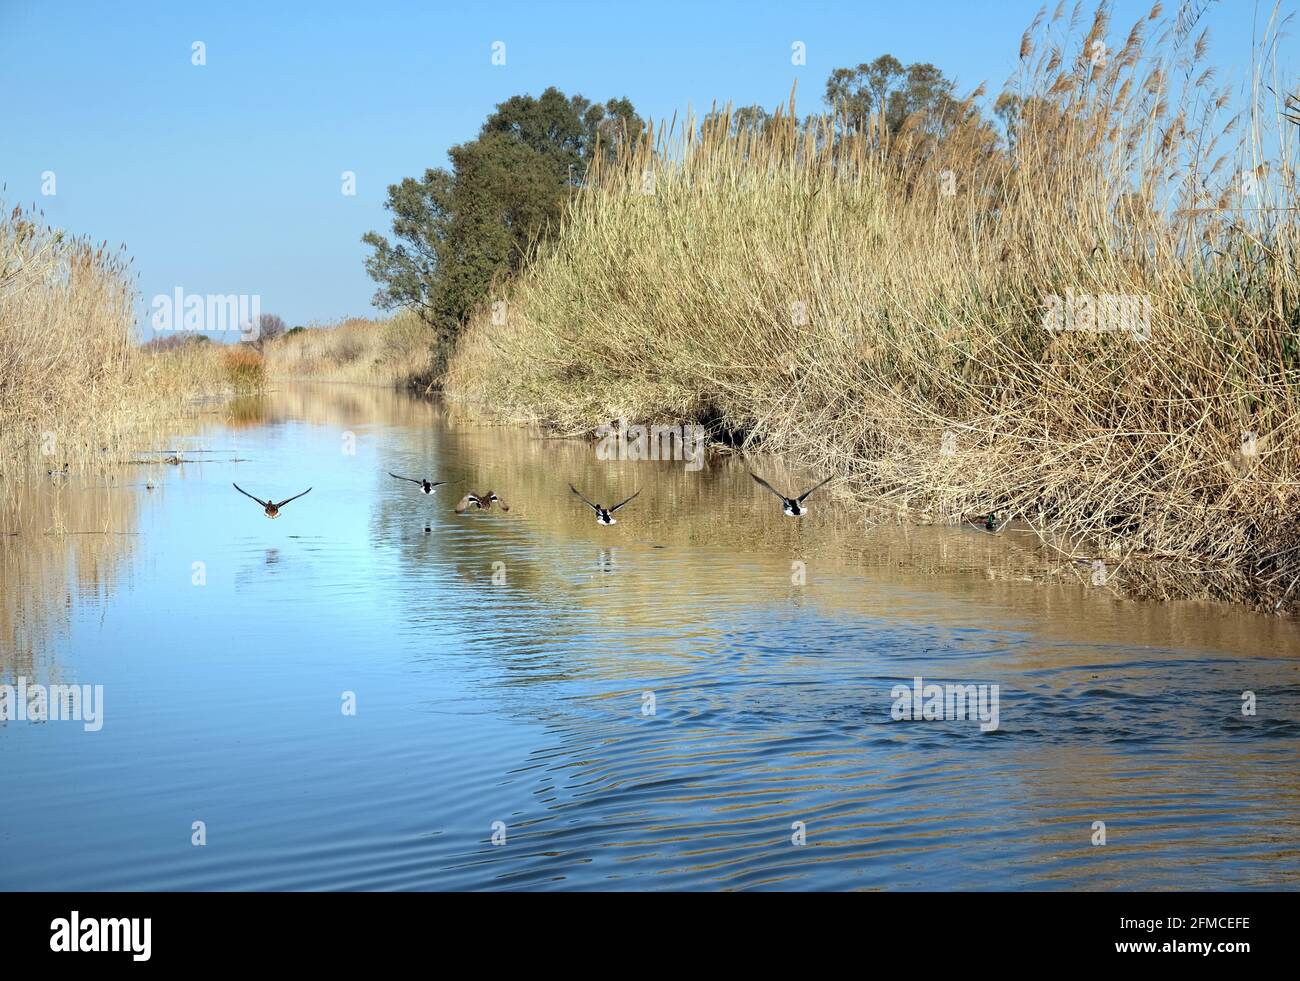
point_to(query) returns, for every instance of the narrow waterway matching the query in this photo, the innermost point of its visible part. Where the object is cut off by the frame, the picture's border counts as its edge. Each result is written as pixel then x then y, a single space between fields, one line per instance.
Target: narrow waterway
pixel 700 696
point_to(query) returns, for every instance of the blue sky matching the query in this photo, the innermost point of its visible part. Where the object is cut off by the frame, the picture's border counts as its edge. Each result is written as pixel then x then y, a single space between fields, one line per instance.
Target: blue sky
pixel 226 178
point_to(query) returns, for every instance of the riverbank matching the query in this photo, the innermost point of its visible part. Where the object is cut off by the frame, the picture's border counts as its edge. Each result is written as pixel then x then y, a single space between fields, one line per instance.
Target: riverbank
pixel 78 393
pixel 1093 330
pixel 75 389
pixel 398 352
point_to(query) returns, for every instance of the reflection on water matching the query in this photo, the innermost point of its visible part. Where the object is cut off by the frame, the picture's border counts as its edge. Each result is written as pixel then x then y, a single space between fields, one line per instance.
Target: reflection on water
pixel 658 704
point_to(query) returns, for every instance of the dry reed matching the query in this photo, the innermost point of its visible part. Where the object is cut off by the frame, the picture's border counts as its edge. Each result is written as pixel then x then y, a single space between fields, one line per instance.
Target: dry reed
pixel 878 306
pixel 75 390
pixel 396 352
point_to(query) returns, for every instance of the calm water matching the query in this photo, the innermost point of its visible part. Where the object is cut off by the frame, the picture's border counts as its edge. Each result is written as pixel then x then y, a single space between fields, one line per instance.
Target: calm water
pixel 525 702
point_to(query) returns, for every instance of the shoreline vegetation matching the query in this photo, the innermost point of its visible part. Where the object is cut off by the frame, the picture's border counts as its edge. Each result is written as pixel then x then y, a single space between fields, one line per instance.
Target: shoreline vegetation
pixel 1084 320
pixel 396 352
pixel 1090 326
pixel 74 388
pixel 78 394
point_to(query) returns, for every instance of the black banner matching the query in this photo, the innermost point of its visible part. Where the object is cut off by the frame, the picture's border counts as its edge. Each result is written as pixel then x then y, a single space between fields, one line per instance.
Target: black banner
pixel 213 930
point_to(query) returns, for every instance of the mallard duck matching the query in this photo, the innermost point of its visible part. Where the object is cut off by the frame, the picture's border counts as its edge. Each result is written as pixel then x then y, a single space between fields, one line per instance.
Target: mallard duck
pixel 271 507
pixel 989 522
pixel 792 507
pixel 604 516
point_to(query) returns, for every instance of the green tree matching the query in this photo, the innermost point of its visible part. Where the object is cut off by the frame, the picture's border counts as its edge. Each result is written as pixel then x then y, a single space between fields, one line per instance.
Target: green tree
pixel 892 93
pixel 552 125
pixel 858 92
pixel 613 124
pixel 406 269
pixel 456 230
pixel 743 119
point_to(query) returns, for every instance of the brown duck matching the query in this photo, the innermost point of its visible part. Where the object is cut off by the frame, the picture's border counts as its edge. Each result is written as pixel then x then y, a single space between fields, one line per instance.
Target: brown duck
pixel 480 502
pixel 271 507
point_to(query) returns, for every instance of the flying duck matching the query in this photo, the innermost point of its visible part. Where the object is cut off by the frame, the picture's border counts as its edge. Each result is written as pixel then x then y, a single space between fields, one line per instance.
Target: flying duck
pixel 272 508
pixel 792 506
pixel 480 502
pixel 426 486
pixel 604 516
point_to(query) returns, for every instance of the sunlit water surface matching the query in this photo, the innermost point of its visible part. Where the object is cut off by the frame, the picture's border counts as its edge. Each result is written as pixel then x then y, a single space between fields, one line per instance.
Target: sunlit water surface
pixel 655 705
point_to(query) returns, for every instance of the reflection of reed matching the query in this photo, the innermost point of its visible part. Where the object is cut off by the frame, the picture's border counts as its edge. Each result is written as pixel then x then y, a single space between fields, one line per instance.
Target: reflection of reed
pixel 341 405
pixel 694 543
pixel 246 411
pixel 721 537
pixel 63 544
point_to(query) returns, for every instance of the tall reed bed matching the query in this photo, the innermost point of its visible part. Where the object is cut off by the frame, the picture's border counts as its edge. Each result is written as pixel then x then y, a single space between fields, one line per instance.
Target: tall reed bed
pixel 75 390
pixel 1090 322
pixel 65 349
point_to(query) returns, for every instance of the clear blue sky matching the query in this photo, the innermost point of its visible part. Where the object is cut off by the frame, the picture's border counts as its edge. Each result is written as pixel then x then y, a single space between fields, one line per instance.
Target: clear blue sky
pixel 226 178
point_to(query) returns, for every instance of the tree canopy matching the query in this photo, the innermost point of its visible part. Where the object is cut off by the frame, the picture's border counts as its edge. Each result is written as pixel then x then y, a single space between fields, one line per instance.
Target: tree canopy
pixel 455 230
pixel 890 91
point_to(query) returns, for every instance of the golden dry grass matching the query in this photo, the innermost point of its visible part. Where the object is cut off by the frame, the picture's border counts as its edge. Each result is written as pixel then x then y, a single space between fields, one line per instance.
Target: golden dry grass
pixel 65 316
pixel 822 295
pixel 245 369
pixel 59 540
pixel 396 352
pixel 75 390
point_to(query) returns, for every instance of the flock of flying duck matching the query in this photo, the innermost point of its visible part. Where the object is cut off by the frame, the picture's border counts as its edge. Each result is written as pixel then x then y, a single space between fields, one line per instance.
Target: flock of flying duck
pixel 792 507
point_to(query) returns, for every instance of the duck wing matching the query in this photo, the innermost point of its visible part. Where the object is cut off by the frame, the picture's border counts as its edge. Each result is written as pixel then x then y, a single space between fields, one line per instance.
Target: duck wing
pixel 621 503
pixel 767 485
pixel 294 498
pixel 594 507
pixel 246 494
pixel 808 492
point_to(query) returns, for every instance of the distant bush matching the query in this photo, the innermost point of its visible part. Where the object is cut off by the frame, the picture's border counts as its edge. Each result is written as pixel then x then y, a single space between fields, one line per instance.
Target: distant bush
pixel 245 369
pixel 175 342
pixel 269 327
